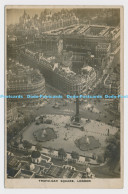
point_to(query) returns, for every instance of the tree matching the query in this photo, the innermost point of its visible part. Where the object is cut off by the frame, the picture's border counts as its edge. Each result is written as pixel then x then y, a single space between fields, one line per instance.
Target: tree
pixel 39 146
pixel 112 151
pixel 50 150
pixel 27 145
pixel 75 155
pixel 16 144
pixel 28 118
pixel 61 153
pixel 100 158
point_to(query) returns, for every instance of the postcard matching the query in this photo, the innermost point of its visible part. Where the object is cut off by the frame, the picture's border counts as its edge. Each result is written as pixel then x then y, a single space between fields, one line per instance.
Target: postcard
pixel 64 96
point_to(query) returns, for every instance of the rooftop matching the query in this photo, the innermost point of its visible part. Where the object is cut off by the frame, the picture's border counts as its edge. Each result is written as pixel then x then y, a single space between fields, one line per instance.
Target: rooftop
pixel 103 46
pixel 21 75
pixel 24 174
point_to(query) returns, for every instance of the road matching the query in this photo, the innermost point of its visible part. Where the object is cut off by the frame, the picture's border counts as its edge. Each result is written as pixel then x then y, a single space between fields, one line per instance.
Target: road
pixel 69 110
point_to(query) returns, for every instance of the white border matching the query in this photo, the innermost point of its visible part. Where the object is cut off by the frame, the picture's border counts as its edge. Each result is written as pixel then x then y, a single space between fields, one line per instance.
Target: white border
pixel 65 2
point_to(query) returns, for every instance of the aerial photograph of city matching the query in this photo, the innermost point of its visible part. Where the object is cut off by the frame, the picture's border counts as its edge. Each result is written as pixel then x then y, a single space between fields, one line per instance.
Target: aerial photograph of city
pixel 62 82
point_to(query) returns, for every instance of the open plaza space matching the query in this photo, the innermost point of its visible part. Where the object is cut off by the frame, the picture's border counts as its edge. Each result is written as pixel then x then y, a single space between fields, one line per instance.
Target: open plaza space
pixel 66 137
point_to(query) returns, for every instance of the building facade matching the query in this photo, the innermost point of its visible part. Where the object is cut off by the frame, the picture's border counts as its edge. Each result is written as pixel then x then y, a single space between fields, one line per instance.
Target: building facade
pixel 24 81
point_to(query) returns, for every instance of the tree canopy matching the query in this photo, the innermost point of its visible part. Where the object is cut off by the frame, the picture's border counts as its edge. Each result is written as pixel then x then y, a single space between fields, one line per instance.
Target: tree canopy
pixel 75 155
pixel 61 153
pixel 39 146
pixel 112 151
pixel 27 145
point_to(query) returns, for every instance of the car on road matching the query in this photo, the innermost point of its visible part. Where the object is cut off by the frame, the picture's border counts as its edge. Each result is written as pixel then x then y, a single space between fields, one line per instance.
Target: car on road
pixel 56 106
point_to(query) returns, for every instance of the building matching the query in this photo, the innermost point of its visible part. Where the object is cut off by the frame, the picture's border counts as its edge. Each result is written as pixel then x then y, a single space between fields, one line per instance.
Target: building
pixel 59 76
pixel 112 84
pixel 47 20
pixel 103 50
pixel 48 44
pixel 84 38
pixel 23 81
pixel 12 162
pixel 91 44
pixel 12 113
pixel 36 157
pixel 115 38
pixel 93 38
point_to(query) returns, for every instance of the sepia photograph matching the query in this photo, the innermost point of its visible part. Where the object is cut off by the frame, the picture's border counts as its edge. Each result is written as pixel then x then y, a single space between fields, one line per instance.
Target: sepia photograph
pixel 64 96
